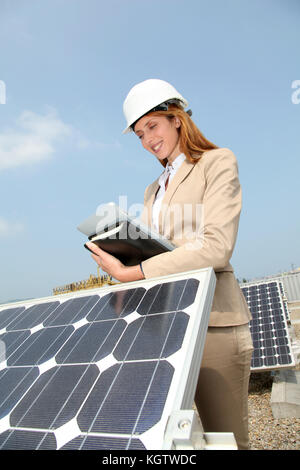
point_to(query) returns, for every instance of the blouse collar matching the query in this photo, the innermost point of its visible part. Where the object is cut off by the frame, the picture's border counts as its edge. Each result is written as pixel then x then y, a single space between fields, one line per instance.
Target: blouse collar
pixel 176 163
pixel 170 169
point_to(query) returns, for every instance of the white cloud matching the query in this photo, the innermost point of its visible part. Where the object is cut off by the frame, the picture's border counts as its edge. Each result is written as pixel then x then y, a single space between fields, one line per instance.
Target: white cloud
pixel 32 140
pixel 9 228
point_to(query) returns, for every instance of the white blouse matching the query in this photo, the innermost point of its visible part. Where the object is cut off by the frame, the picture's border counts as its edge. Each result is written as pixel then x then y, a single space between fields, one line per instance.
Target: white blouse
pixel 169 171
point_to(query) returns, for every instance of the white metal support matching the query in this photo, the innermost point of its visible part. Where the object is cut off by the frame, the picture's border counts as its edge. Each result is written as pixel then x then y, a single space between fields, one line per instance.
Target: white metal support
pixel 184 431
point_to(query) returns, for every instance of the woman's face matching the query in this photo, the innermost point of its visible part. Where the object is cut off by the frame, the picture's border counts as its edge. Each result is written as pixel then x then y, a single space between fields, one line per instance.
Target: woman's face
pixel 159 135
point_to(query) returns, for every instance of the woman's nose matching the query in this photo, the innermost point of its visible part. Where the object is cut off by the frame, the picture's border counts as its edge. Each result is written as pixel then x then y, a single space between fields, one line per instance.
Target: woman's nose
pixel 148 139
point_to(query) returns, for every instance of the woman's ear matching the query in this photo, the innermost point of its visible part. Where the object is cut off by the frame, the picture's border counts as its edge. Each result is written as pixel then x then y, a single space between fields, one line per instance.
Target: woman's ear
pixel 177 122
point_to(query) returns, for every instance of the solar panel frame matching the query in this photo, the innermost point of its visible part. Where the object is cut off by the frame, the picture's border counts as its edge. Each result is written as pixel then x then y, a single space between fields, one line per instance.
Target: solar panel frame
pixel 284 301
pixel 184 362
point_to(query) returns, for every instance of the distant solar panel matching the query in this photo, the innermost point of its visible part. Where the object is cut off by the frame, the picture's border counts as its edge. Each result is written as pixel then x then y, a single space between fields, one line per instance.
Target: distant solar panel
pixel 104 369
pixel 269 329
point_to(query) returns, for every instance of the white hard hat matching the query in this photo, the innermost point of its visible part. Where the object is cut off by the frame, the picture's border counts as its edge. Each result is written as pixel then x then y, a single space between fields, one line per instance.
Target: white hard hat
pixel 145 96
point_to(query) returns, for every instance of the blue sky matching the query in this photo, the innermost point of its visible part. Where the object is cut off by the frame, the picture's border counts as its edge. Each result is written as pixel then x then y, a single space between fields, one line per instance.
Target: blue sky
pixel 68 65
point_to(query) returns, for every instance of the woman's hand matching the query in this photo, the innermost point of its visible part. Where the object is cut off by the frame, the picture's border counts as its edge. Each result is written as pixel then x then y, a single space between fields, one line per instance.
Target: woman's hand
pixel 113 266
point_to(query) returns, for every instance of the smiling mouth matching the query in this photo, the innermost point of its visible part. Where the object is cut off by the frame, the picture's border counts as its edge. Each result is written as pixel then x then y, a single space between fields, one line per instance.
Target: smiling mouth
pixel 156 148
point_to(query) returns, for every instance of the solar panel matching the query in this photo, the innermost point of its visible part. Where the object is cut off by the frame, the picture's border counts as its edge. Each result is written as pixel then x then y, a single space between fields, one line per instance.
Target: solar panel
pixel 103 369
pixel 269 328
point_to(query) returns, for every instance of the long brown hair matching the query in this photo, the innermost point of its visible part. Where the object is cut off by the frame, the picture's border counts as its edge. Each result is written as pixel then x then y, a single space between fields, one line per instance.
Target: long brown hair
pixel 192 142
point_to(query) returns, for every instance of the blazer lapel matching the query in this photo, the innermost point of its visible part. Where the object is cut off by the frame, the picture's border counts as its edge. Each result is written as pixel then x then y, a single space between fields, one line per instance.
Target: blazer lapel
pixel 149 203
pixel 185 168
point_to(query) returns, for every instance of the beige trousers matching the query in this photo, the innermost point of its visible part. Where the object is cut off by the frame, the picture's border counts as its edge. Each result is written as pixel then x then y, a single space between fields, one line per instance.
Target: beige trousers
pixel 222 391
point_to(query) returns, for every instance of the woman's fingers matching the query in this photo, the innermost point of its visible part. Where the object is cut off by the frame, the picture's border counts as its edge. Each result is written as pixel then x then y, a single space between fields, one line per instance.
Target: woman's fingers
pixel 94 248
pixel 96 258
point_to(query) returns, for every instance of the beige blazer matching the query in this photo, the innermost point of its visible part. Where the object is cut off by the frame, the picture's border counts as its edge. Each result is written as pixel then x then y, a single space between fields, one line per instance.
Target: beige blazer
pixel 200 215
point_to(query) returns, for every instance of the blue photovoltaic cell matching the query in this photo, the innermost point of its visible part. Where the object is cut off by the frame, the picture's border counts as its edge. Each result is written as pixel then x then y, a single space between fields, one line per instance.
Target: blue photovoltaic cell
pixel 27 440
pixel 153 336
pixel 11 341
pixel 168 297
pixel 71 311
pixel 116 305
pixel 39 347
pixel 14 382
pixel 90 442
pixel 151 379
pixel 64 387
pixel 8 315
pixel 33 316
pixel 268 326
pixel 91 342
pixel 100 361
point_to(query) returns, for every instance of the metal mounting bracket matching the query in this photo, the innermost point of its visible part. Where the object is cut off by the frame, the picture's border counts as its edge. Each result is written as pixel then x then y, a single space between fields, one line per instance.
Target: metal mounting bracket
pixel 184 431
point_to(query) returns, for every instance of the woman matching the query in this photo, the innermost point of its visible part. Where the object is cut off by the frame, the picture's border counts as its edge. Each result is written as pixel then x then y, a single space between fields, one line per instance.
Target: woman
pixel 198 178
